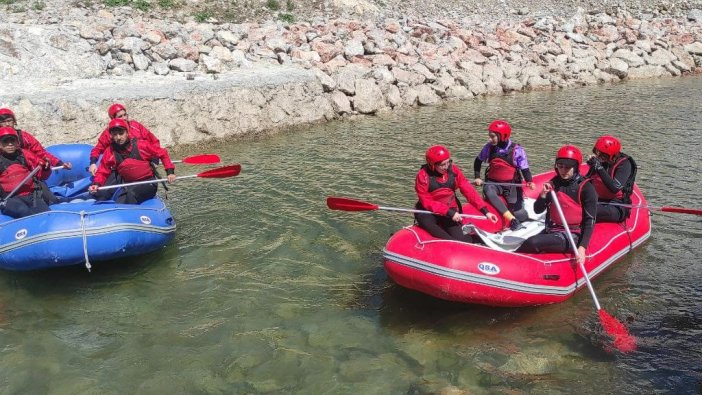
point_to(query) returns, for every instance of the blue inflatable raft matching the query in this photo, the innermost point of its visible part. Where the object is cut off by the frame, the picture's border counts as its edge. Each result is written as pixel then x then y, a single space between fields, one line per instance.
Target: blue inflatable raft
pixel 82 230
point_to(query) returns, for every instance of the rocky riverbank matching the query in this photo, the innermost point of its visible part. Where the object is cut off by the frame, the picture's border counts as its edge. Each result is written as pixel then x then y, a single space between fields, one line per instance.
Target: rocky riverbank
pixel 193 81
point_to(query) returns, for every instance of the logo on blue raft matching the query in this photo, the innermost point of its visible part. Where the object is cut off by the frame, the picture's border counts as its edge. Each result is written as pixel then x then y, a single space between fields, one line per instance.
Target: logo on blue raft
pixel 145 220
pixel 21 234
pixel 488 268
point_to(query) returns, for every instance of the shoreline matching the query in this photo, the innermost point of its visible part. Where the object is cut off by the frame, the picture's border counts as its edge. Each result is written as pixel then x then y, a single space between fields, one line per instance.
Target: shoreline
pixel 195 82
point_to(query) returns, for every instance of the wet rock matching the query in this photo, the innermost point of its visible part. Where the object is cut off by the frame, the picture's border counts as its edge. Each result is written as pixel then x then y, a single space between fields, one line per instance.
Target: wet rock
pixel 368 98
pixel 426 96
pixel 340 103
pixel 646 71
pixel 393 96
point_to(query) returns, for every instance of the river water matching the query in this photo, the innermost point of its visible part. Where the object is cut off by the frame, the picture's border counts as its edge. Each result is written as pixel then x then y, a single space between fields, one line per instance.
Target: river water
pixel 265 290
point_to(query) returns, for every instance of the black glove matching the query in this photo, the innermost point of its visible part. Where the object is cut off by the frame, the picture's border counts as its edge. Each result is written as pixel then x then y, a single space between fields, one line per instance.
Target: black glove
pixel 595 163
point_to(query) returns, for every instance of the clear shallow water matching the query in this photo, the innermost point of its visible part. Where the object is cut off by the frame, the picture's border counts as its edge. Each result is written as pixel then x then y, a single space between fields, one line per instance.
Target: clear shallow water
pixel 267 291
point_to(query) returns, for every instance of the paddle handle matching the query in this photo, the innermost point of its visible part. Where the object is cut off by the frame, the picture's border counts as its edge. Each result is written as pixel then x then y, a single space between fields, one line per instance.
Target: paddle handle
pixel 554 198
pixel 505 184
pixel 407 210
pixel 128 184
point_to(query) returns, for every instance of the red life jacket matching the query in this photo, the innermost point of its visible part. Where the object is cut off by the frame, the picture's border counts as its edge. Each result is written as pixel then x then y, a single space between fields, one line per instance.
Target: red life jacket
pixel 501 165
pixel 14 171
pixel 603 193
pixel 132 167
pixel 444 192
pixel 569 199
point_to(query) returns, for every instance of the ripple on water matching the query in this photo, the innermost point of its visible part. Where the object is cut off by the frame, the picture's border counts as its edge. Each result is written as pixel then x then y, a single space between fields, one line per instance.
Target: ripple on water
pixel 267 290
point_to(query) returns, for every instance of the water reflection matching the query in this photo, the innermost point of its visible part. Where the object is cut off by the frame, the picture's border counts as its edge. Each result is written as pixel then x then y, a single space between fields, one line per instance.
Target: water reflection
pixel 265 290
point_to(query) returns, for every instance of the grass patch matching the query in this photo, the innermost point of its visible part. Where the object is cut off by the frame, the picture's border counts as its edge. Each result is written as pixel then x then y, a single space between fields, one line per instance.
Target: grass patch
pixel 289 5
pixel 273 5
pixel 142 5
pixel 117 3
pixel 289 18
pixel 202 16
pixel 166 4
pixel 83 3
pixel 6 2
pixel 38 6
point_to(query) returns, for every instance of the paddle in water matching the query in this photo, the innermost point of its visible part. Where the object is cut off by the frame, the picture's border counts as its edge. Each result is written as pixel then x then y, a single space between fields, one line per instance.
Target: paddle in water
pixel 623 341
pixel 346 204
pixel 220 172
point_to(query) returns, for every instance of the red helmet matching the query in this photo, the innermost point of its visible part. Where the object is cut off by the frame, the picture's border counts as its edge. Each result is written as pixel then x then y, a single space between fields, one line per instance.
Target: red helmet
pixel 608 145
pixel 8 131
pixel 114 109
pixel 436 154
pixel 7 111
pixel 501 128
pixel 570 152
pixel 118 123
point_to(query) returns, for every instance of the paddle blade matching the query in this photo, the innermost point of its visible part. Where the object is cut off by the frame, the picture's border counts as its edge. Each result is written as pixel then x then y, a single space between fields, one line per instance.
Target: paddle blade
pixel 204 159
pixel 345 204
pixel 221 172
pixel 623 341
pixel 681 210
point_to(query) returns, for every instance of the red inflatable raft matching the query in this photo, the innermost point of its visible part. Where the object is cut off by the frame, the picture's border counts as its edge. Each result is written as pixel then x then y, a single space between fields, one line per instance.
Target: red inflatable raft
pixel 474 273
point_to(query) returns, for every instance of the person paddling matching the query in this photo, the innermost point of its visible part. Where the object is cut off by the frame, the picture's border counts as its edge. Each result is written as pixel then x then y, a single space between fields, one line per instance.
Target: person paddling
pixel 507 163
pixel 27 142
pixel 613 174
pixel 577 198
pixel 126 160
pixel 16 164
pixel 436 184
pixel 135 130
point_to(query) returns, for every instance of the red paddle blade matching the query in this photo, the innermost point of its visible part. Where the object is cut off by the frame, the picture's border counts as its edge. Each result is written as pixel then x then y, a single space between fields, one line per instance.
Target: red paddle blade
pixel 204 159
pixel 623 341
pixel 681 210
pixel 221 172
pixel 345 204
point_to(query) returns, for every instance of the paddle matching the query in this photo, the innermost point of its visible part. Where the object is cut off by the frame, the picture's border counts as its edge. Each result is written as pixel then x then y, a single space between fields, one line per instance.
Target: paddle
pixel 667 209
pixel 220 172
pixel 346 204
pixel 505 184
pixel 202 159
pixel 623 341
pixel 17 188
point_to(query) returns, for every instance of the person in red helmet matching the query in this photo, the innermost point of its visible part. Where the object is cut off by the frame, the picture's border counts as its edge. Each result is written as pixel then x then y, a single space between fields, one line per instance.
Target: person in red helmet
pixel 135 130
pixel 578 199
pixel 129 159
pixel 27 142
pixel 613 174
pixel 33 196
pixel 436 184
pixel 507 163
